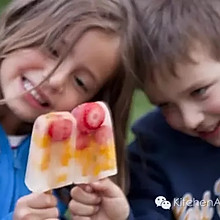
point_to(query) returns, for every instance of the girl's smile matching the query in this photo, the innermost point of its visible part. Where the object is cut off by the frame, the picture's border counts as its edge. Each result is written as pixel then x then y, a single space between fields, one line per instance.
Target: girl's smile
pixel 79 77
pixel 35 97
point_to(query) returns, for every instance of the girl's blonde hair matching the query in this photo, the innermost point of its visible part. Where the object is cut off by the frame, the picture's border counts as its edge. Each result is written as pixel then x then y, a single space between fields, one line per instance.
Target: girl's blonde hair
pixel 41 23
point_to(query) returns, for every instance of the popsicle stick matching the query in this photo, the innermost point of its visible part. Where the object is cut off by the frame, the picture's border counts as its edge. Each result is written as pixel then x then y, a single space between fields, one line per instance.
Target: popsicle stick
pixel 49 192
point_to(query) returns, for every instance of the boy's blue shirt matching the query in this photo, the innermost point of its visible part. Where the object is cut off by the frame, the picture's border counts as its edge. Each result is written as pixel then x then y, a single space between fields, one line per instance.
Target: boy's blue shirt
pixel 165 162
pixel 12 174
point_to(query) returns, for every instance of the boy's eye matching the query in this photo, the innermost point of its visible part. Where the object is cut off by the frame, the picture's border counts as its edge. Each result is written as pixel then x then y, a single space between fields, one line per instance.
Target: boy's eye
pixel 80 83
pixel 200 91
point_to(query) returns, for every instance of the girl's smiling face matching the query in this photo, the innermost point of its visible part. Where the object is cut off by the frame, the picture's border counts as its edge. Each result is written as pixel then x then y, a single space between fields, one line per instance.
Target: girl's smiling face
pixel 190 101
pixel 81 75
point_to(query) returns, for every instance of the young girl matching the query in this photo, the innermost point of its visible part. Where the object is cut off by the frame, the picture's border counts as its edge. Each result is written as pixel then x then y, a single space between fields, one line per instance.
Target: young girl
pixel 174 161
pixel 54 56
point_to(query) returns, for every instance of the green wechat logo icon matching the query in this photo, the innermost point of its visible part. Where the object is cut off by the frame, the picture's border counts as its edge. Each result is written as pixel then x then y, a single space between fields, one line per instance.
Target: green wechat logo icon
pixel 162 202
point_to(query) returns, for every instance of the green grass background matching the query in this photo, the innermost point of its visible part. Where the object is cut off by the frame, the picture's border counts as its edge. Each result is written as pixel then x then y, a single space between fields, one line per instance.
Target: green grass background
pixel 140 105
pixel 3 2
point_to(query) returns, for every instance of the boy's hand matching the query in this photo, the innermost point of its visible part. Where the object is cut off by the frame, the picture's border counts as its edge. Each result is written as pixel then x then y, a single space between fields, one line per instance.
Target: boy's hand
pixel 36 207
pixel 102 200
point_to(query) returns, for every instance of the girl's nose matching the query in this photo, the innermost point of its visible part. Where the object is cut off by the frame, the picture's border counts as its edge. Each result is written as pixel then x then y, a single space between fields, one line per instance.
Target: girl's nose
pixel 57 83
pixel 58 80
pixel 192 117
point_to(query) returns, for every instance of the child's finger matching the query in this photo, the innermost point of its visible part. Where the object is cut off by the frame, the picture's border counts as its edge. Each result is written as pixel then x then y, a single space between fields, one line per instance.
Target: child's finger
pixel 86 188
pixel 42 200
pixel 107 188
pixel 76 217
pixel 30 213
pixel 52 219
pixel 49 213
pixel 80 195
pixel 80 209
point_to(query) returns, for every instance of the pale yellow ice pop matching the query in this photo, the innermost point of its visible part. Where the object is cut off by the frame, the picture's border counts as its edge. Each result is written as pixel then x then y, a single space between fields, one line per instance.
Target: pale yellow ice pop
pixel 50 162
pixel 95 155
pixel 71 148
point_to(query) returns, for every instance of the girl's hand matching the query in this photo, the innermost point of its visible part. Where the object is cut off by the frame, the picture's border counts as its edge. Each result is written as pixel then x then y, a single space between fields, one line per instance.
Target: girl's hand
pixel 36 207
pixel 102 200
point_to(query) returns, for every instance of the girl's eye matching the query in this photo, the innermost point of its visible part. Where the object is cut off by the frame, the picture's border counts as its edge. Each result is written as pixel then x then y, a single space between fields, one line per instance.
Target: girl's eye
pixel 200 91
pixel 80 83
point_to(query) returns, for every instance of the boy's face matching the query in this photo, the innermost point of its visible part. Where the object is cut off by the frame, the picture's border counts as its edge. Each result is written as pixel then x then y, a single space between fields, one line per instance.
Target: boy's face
pixel 190 102
pixel 80 76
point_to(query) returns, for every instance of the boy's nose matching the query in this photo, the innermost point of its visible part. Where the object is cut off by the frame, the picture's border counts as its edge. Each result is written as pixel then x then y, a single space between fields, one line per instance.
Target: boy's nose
pixel 192 118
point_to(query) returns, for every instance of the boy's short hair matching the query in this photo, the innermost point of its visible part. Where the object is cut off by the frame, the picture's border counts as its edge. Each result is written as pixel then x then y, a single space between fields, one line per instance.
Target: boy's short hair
pixel 174 27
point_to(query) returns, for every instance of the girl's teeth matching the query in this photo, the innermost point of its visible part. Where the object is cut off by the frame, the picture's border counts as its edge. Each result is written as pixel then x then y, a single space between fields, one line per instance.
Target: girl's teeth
pixel 28 86
pixel 35 94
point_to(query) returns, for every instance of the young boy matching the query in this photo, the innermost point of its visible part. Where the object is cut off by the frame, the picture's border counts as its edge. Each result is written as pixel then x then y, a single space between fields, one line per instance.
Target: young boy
pixel 175 159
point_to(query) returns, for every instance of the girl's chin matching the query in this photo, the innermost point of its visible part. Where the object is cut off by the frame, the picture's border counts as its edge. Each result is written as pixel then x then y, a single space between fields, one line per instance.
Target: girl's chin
pixel 20 113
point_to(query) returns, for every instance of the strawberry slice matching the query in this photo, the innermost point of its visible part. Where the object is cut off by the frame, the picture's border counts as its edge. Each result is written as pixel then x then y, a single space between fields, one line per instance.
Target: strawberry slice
pixel 89 116
pixel 94 115
pixel 82 141
pixel 60 129
pixel 103 134
pixel 76 111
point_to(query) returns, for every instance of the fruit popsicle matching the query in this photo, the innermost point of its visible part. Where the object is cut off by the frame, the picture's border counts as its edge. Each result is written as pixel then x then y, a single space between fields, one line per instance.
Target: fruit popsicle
pixel 50 162
pixel 94 155
pixel 71 148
